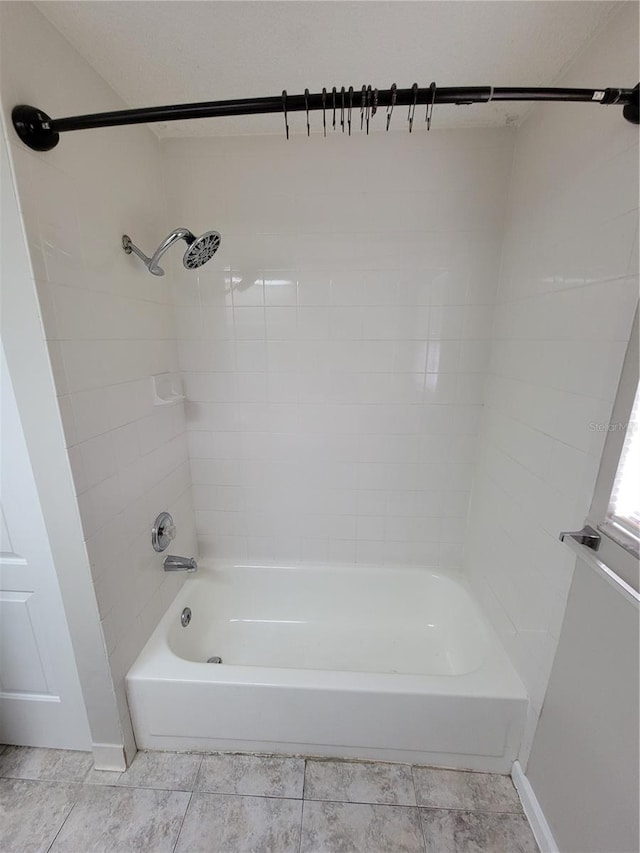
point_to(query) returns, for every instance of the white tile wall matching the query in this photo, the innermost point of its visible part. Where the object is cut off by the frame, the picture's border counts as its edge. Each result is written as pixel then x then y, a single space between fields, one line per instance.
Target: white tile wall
pixel 109 326
pixel 568 289
pixel 334 350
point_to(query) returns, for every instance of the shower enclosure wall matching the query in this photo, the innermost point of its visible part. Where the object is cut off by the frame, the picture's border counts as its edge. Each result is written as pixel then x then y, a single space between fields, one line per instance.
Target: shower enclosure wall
pixel 334 350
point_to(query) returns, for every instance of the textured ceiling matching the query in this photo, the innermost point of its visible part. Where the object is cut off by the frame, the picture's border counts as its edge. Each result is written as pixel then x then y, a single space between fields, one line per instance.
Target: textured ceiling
pixel 174 52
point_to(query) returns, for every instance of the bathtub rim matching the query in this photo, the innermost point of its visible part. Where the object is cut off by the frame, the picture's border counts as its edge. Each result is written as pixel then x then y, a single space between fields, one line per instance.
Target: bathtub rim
pixel 495 678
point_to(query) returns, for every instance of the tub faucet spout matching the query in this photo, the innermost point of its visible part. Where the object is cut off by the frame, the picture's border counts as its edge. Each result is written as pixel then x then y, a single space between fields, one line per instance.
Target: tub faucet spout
pixel 173 563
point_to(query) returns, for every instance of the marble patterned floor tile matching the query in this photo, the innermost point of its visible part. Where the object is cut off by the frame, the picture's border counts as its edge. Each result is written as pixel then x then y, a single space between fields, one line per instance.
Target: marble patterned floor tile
pixel 359 782
pixel 120 820
pixel 457 789
pixel 252 775
pixel 31 813
pixel 447 831
pixel 102 777
pixel 220 823
pixel 172 771
pixel 56 765
pixel 360 828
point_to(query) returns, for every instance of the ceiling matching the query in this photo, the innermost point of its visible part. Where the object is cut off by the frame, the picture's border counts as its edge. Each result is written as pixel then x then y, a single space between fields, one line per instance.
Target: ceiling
pixel 156 52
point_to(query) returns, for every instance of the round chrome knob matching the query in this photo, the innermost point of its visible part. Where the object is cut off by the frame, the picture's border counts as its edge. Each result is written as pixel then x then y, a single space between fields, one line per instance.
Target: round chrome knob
pixel 162 532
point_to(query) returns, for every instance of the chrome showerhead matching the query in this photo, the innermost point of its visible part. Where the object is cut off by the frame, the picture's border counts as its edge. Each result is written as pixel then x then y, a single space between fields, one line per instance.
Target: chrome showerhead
pixel 199 251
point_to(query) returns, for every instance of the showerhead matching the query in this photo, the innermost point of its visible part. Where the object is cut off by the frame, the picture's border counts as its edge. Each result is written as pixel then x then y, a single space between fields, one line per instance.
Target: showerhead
pixel 199 249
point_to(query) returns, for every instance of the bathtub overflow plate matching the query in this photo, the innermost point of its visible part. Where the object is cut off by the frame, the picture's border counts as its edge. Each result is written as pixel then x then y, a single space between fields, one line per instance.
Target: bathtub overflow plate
pixel 185 617
pixel 214 659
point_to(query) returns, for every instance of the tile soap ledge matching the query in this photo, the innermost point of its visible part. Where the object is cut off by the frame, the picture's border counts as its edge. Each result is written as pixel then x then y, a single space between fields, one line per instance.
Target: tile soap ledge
pixel 166 389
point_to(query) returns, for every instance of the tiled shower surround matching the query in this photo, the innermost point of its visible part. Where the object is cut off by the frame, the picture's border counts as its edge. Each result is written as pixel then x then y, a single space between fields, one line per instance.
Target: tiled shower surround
pixel 334 350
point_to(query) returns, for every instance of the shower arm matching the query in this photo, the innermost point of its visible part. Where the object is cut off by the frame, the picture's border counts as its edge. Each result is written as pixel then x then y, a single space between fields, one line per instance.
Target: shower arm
pixel 178 234
pixel 151 263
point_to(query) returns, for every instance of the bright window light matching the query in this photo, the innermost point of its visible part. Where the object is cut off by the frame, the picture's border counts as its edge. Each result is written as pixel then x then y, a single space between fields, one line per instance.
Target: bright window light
pixel 624 505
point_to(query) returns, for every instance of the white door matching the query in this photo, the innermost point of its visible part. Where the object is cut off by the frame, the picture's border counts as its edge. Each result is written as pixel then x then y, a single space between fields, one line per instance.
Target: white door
pixel 40 699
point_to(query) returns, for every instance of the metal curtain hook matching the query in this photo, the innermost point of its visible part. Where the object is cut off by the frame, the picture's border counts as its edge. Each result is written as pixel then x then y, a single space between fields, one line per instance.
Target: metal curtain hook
pixel 342 108
pixel 374 106
pixel 350 107
pixel 333 96
pixel 368 110
pixel 324 113
pixel 362 102
pixel 284 109
pixel 412 107
pixel 392 105
pixel 429 112
pixel 306 103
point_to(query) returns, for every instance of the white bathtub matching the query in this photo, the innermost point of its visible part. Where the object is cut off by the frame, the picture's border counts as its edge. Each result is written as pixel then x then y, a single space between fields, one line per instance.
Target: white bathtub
pixel 394 664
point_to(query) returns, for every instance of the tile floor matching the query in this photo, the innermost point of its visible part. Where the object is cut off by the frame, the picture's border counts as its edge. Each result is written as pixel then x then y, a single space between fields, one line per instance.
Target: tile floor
pixel 52 800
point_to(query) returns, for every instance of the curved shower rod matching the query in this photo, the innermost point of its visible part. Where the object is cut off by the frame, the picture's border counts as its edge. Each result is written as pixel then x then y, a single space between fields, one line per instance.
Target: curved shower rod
pixel 42 133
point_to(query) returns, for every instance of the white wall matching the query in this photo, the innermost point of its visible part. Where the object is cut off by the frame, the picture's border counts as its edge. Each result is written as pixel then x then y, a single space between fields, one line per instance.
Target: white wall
pixel 584 760
pixel 109 327
pixel 334 349
pixel 565 304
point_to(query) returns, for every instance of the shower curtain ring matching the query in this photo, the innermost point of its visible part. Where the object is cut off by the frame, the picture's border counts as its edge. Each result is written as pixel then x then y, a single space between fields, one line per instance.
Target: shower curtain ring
pixel 368 110
pixel 350 107
pixel 333 96
pixel 306 103
pixel 324 114
pixel 362 102
pixel 429 113
pixel 412 107
pixel 342 108
pixel 392 104
pixel 374 106
pixel 284 109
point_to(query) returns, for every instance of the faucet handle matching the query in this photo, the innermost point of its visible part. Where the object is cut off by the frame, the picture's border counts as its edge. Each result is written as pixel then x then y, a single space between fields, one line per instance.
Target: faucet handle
pixel 163 532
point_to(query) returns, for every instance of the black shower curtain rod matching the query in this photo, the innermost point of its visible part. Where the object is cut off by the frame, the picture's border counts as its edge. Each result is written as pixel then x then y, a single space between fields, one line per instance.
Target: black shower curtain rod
pixel 40 132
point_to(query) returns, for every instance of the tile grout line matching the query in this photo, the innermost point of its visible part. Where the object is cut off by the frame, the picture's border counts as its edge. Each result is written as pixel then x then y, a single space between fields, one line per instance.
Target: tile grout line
pixel 413 782
pixel 304 784
pixel 419 813
pixel 184 816
pixel 468 810
pixel 55 838
pixel 175 846
pixel 210 793
pixel 302 802
pixel 197 775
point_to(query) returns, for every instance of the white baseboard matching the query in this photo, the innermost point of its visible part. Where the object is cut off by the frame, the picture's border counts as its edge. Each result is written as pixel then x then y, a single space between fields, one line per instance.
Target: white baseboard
pixel 108 756
pixel 533 811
